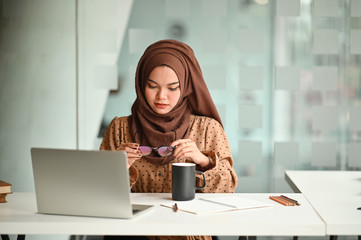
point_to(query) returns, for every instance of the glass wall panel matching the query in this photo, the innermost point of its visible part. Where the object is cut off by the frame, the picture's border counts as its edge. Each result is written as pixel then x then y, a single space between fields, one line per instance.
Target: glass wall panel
pixel 284 74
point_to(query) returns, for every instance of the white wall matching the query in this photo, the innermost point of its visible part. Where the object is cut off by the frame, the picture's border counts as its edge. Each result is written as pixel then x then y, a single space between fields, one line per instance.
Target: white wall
pixel 101 31
pixel 37 84
pixel 55 76
pixel 41 82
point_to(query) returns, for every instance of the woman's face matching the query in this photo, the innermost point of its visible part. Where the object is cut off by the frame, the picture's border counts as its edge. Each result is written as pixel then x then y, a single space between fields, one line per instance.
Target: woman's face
pixel 162 89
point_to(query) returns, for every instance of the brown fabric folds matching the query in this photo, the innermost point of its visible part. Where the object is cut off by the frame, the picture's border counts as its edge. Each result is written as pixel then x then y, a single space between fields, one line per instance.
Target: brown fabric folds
pixel 152 129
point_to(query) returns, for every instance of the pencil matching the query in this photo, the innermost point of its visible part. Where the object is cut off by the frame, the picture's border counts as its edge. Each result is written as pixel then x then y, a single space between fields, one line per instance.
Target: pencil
pixel 281 201
pixel 290 199
pixel 289 202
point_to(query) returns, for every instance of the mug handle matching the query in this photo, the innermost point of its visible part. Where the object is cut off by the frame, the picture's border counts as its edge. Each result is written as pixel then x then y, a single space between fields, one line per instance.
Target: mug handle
pixel 204 178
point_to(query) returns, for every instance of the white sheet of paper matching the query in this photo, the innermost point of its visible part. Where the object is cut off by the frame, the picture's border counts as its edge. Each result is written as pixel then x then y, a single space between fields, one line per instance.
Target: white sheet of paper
pixel 217 204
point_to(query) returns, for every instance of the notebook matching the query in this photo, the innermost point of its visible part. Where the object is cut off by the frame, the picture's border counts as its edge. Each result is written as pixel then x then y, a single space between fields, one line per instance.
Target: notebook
pixel 83 183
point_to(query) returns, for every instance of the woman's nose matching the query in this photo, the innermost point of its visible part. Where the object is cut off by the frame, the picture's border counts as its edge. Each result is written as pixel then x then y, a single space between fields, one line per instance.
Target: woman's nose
pixel 162 94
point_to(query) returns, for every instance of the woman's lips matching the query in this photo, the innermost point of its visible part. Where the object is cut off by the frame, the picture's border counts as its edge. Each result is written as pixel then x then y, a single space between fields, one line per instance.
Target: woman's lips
pixel 160 105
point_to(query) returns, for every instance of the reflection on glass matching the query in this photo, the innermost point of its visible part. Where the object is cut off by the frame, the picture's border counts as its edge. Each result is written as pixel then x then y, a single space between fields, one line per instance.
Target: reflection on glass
pixel 283 73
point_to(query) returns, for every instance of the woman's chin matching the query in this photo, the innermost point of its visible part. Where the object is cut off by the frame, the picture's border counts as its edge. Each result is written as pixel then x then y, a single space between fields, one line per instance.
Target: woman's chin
pixel 161 111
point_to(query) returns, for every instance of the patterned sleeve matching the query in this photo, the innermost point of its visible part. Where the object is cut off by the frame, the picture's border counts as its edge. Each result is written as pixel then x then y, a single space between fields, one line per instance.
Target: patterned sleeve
pixel 112 140
pixel 220 174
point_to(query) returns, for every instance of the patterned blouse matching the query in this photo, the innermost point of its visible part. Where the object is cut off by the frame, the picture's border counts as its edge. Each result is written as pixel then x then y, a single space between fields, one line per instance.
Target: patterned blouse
pixel 146 177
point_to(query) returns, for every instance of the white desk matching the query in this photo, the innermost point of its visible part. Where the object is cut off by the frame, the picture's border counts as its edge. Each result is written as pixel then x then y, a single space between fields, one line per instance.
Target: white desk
pixel 335 195
pixel 19 216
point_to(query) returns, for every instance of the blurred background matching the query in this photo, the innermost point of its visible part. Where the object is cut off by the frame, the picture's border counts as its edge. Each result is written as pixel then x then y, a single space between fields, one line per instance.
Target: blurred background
pixel 285 76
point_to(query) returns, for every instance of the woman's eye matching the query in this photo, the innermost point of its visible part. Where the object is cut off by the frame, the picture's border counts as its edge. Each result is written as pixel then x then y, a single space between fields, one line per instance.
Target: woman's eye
pixel 152 86
pixel 173 89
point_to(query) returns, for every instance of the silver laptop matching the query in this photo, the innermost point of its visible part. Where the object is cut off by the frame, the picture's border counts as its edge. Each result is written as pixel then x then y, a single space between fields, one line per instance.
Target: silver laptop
pixel 83 183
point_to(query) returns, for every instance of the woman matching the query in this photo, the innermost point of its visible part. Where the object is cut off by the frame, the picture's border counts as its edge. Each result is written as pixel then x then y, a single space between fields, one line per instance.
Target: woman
pixel 173 108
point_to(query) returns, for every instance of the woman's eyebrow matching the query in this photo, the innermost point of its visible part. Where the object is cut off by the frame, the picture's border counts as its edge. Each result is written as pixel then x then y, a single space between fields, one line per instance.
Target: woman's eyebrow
pixel 172 83
pixel 150 80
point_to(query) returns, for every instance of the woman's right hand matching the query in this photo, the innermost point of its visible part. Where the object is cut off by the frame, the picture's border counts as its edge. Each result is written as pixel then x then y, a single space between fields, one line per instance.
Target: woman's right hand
pixel 132 150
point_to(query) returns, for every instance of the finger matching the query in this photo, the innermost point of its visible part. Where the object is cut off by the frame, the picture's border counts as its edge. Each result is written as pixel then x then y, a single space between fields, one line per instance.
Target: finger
pixel 178 148
pixel 175 143
pixel 134 153
pixel 179 142
pixel 133 158
pixel 131 145
pixel 131 161
pixel 183 152
pixel 132 150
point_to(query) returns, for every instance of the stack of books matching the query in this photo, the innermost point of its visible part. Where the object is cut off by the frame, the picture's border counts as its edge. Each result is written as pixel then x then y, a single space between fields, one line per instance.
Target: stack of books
pixel 5 189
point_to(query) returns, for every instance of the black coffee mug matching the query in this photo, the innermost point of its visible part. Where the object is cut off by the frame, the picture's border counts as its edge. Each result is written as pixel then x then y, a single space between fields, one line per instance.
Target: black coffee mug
pixel 184 181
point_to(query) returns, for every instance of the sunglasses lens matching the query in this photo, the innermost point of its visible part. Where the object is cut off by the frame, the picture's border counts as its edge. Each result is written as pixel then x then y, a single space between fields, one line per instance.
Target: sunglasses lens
pixel 165 151
pixel 145 150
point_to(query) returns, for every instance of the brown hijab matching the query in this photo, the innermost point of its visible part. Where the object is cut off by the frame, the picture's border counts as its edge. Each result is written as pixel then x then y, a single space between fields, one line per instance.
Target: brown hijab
pixel 151 129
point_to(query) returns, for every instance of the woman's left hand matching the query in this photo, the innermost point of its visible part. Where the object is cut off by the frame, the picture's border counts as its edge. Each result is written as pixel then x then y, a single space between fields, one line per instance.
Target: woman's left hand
pixel 186 148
